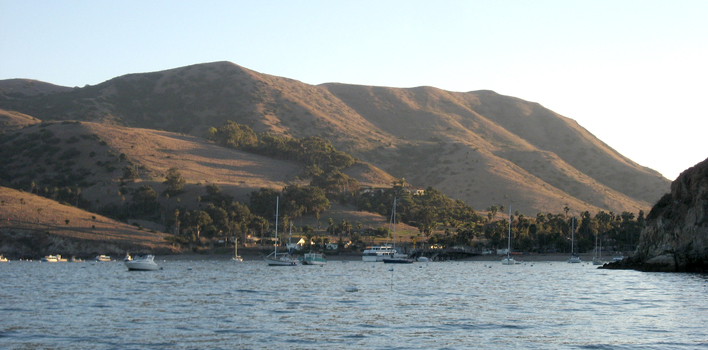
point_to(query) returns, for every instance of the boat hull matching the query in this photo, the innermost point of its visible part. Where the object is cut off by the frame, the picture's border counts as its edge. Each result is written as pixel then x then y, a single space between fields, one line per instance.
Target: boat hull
pixel 280 262
pixel 370 258
pixel 142 264
pixel 313 262
pixel 314 259
pixel 508 261
pixel 397 261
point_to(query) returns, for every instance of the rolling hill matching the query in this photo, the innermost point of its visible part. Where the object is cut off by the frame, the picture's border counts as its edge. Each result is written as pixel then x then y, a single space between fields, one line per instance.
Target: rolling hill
pixel 480 147
pixel 33 226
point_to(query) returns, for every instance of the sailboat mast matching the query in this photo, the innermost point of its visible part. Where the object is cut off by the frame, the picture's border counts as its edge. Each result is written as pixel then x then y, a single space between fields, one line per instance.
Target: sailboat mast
pixel 572 235
pixel 508 248
pixel 600 247
pixel 393 220
pixel 276 226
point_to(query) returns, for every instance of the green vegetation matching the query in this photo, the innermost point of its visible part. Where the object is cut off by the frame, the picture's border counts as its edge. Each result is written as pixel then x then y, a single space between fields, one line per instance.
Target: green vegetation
pixel 222 217
pixel 23 154
pixel 310 151
pixel 174 182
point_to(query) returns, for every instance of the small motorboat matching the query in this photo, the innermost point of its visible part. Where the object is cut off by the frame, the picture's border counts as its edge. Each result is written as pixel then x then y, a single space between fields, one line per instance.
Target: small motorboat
pixel 53 258
pixel 314 259
pixel 102 258
pixel 142 263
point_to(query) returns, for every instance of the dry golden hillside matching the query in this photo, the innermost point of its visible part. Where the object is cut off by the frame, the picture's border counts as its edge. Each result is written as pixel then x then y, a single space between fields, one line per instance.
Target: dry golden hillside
pixel 32 226
pixel 101 151
pixel 480 147
pixel 13 121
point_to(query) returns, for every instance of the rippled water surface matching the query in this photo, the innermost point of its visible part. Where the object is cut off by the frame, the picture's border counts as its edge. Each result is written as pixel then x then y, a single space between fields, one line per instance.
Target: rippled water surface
pixel 447 305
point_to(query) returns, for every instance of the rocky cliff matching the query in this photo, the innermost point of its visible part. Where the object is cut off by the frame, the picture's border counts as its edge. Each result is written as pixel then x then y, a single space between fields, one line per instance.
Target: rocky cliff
pixel 675 237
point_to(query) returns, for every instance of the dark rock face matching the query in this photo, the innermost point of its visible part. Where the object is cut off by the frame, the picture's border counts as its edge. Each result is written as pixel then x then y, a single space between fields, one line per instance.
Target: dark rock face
pixel 675 238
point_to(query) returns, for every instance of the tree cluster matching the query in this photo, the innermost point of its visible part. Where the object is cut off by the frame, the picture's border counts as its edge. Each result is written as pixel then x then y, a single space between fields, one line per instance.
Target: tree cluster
pixel 310 151
pixel 220 217
pixel 425 211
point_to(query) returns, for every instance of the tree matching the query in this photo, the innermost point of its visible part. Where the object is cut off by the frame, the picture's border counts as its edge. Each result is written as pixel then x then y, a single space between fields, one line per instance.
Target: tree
pixel 346 227
pixel 174 181
pixel 213 190
pixel 145 200
pixel 335 182
pixel 234 135
pixel 493 209
pixel 198 220
pixel 298 200
pixel 262 202
pixel 129 173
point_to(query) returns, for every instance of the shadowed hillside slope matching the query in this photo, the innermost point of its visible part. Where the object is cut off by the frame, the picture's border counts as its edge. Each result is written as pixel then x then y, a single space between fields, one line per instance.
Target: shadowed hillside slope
pixel 92 156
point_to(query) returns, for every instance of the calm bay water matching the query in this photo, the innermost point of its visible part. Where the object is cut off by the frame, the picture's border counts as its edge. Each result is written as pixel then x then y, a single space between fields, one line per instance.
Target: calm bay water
pixel 445 305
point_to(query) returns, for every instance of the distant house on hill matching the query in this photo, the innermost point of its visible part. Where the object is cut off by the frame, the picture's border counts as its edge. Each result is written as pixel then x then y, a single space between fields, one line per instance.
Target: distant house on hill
pixel 416 191
pixel 296 246
pixel 372 190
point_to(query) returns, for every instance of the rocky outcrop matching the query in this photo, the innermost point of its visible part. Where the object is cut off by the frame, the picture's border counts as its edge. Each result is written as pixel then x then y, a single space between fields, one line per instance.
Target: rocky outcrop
pixel 675 238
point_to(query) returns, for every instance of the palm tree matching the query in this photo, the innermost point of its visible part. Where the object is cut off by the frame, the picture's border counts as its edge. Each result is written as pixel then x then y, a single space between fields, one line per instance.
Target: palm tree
pixel 494 210
pixel 346 227
pixel 39 211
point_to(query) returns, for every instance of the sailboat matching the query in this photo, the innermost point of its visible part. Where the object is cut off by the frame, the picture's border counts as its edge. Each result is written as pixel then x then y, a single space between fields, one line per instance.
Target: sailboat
pixel 236 257
pixel 597 260
pixel 393 259
pixel 282 259
pixel 509 260
pixel 574 258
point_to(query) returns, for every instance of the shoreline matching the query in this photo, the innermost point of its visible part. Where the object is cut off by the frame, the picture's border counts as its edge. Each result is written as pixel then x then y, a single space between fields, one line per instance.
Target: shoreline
pixel 356 256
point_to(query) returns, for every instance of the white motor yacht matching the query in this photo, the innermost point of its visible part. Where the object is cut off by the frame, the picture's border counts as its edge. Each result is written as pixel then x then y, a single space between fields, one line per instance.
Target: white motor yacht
pixel 142 263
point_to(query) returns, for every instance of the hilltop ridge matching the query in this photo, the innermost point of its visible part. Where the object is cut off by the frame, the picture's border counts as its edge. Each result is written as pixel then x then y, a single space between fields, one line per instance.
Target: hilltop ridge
pixel 481 147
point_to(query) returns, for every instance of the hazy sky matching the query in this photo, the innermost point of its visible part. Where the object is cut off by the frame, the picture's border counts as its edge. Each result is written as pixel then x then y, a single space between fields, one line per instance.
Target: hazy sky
pixel 634 73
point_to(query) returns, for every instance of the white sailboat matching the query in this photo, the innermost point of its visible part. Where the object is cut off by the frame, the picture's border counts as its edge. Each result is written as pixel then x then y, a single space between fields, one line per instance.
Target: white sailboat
pixel 597 260
pixel 236 258
pixel 282 259
pixel 509 260
pixel 574 258
pixel 393 259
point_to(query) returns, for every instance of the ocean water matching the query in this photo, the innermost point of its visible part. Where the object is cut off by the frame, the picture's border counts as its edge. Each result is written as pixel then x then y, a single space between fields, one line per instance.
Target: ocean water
pixel 436 305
